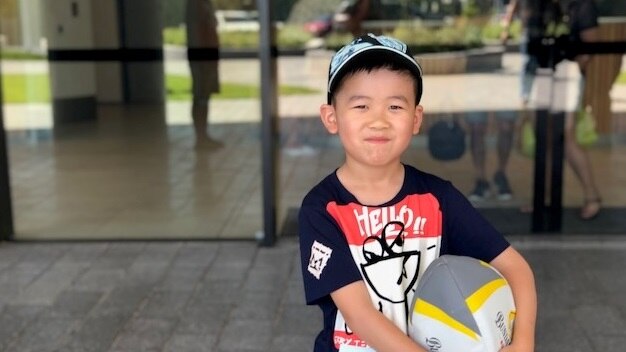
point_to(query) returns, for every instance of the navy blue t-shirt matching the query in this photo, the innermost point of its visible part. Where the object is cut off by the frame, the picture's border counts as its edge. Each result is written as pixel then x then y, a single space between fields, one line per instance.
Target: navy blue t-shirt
pixel 388 246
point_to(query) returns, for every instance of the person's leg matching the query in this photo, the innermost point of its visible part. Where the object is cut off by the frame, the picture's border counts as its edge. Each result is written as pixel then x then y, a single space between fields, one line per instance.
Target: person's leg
pixel 528 70
pixel 202 86
pixel 478 149
pixel 477 122
pixel 506 129
pixel 199 116
pixel 579 161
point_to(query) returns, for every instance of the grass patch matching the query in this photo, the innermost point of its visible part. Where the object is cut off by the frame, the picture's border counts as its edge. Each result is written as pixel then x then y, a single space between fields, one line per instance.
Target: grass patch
pixel 179 88
pixel 288 37
pixel 34 88
pixel 621 79
pixel 19 88
pixel 17 54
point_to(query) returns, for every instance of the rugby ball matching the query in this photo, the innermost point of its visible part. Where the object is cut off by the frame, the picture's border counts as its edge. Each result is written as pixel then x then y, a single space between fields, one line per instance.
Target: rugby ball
pixel 461 304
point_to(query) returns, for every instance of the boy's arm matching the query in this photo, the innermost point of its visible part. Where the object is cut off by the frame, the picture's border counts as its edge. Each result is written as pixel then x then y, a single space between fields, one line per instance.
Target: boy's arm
pixel 520 277
pixel 354 303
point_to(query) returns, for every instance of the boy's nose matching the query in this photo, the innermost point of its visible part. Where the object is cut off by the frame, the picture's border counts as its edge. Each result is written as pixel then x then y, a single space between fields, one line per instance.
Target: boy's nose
pixel 379 119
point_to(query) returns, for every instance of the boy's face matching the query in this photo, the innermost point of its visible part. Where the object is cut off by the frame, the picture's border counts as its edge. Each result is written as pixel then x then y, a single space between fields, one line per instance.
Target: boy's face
pixel 375 115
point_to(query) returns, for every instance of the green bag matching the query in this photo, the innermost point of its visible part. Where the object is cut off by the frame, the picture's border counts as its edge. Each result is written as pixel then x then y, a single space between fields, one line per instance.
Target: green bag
pixel 527 139
pixel 586 133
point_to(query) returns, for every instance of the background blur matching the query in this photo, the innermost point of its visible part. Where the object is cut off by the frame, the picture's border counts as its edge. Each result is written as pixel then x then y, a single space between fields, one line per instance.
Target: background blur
pixel 121 163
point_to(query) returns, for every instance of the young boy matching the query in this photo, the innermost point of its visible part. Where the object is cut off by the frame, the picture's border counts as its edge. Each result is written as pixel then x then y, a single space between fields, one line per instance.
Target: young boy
pixel 370 229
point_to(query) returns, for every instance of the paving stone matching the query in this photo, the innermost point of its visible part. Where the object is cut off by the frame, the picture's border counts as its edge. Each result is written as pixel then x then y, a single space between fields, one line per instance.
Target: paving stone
pixel 190 343
pixel 559 331
pixel 597 318
pixel 45 289
pixel 294 293
pixel 95 334
pixel 224 291
pixel 100 279
pixel 159 252
pixel 75 303
pixel 83 252
pixel 13 319
pixel 44 334
pixel 291 343
pixel 181 278
pixel 267 280
pixel 143 335
pixel 298 319
pixel 165 304
pixel 604 342
pixel 145 273
pixel 207 319
pixel 122 300
pixel 201 296
pixel 196 254
pixel 21 274
pixel 246 335
pixel 257 305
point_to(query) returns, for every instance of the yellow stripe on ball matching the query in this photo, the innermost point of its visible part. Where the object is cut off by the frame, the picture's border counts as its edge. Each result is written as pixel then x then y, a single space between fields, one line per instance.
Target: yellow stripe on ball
pixel 478 298
pixel 431 311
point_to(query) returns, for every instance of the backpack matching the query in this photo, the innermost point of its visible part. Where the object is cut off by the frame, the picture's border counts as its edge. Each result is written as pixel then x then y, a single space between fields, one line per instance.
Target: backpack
pixel 446 140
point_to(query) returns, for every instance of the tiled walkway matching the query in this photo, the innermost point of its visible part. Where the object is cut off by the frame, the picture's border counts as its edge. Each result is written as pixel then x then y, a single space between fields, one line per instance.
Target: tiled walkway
pixel 238 297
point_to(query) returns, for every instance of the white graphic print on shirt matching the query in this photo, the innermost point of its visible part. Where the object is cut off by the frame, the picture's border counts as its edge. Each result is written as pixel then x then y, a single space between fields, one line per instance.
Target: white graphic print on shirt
pixel 392 246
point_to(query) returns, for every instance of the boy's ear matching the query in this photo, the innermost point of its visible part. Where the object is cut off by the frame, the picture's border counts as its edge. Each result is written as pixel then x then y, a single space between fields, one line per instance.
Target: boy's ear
pixel 418 117
pixel 329 118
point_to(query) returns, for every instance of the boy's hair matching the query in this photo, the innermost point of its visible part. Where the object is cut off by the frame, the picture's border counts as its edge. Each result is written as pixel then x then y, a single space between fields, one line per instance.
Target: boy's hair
pixel 371 52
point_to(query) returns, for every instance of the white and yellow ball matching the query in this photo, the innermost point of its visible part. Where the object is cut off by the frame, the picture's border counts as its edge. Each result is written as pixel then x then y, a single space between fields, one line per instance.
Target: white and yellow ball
pixel 462 304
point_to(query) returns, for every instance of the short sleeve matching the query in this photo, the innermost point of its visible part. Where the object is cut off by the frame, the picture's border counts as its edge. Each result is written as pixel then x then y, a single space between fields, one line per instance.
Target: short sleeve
pixel 327 263
pixel 467 232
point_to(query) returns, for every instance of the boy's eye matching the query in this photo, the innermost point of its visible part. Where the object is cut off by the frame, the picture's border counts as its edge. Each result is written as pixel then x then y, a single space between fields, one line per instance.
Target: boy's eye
pixel 360 107
pixel 395 107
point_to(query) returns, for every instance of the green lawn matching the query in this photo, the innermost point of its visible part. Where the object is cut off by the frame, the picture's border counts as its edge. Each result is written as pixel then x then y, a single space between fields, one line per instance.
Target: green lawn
pixel 621 79
pixel 34 88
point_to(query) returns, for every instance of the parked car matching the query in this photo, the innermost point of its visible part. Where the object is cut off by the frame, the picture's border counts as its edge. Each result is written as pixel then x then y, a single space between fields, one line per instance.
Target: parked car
pixel 320 26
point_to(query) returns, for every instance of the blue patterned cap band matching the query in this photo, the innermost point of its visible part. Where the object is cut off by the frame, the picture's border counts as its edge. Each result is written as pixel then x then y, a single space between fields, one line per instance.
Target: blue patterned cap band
pixel 371 44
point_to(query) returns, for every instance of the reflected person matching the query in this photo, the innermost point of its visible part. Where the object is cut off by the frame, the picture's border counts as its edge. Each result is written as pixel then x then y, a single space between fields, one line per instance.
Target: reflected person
pixel 203 56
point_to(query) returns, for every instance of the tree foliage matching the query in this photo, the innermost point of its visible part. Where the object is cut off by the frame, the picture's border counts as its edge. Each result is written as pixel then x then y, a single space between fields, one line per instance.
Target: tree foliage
pixel 283 10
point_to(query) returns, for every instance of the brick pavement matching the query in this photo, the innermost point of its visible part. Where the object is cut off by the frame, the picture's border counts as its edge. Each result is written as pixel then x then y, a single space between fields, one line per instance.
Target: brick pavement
pixel 236 296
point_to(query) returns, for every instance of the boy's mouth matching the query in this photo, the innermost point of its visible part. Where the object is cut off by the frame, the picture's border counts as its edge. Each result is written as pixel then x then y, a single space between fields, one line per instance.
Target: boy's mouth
pixel 377 139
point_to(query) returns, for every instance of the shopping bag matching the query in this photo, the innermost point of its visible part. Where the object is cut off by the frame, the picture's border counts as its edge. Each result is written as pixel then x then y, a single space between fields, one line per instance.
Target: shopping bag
pixel 528 140
pixel 586 133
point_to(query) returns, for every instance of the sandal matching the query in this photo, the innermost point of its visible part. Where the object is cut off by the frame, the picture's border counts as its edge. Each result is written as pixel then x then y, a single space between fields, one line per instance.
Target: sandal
pixel 590 209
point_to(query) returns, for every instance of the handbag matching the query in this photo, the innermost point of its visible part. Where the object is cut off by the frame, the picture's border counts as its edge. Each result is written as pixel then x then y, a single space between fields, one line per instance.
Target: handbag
pixel 528 141
pixel 585 129
pixel 446 140
pixel 586 133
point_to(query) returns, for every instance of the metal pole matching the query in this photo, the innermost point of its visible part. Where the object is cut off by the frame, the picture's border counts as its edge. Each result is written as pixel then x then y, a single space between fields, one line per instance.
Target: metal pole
pixel 539 184
pixel 555 211
pixel 549 154
pixel 269 108
pixel 6 212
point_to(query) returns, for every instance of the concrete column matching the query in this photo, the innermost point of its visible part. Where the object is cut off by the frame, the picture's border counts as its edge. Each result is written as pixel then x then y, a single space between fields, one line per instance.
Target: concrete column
pixel 106 30
pixel 31 25
pixel 103 51
pixel 68 25
pixel 142 38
